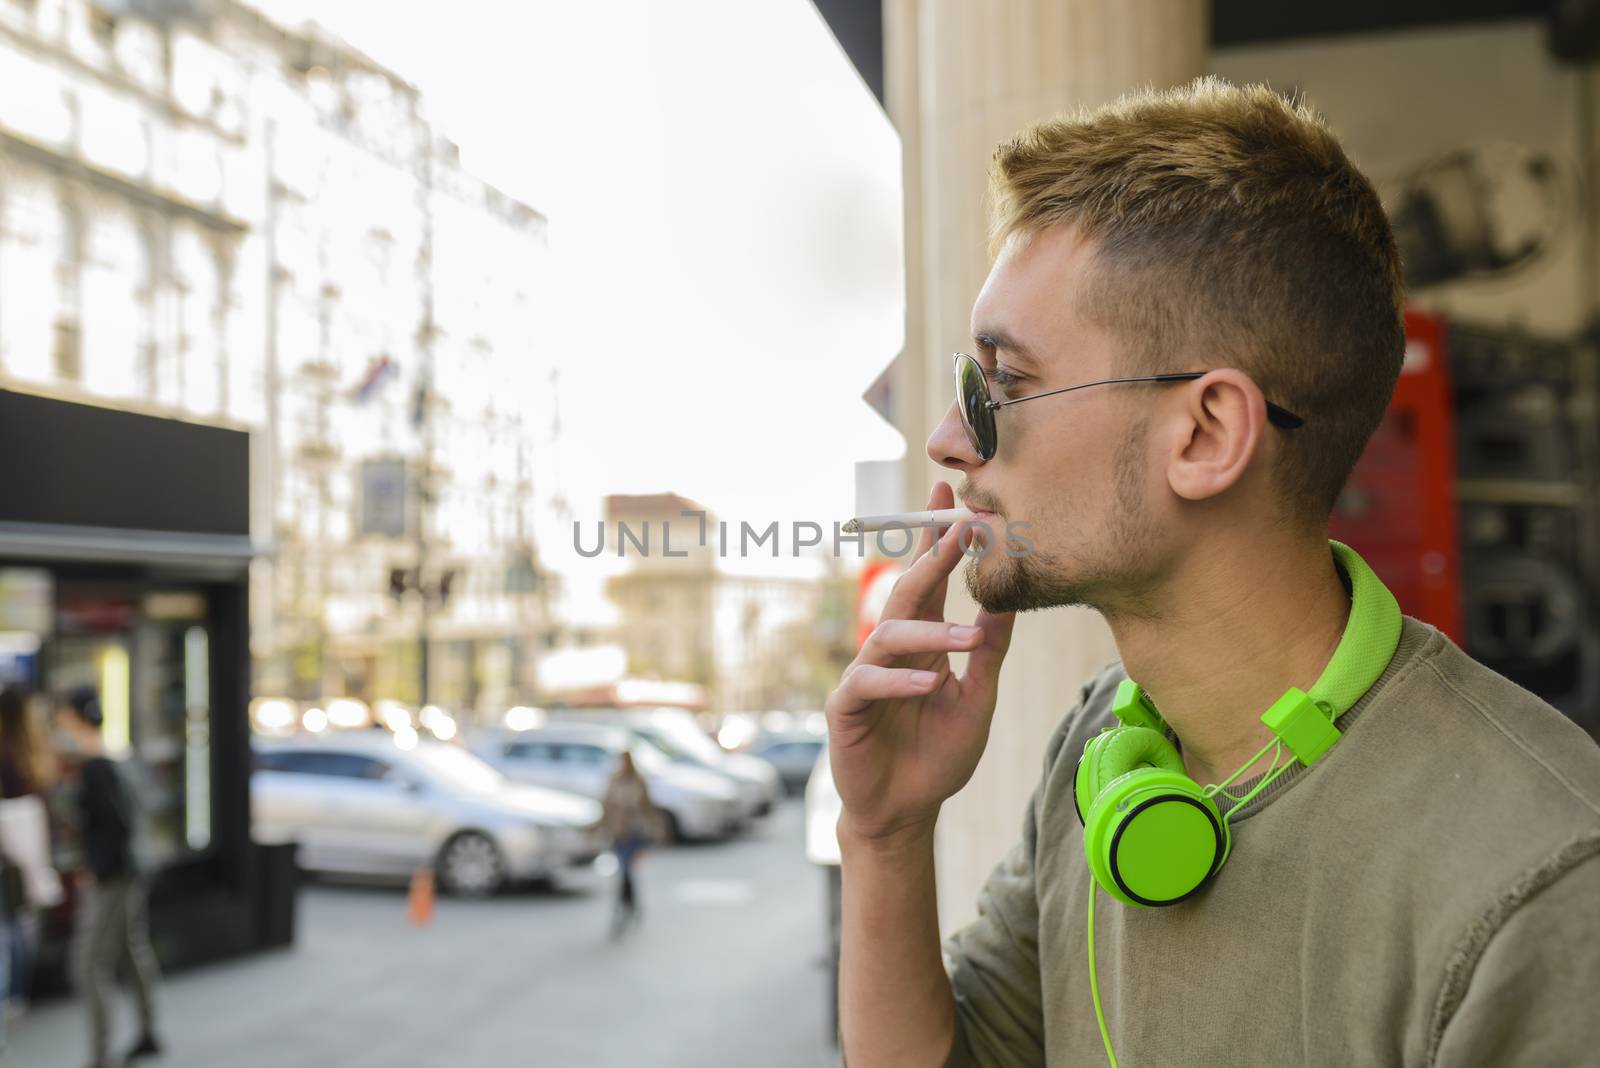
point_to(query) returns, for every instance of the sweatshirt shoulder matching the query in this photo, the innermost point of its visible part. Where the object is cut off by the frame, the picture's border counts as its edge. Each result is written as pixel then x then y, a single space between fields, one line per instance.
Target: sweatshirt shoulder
pixel 1506 735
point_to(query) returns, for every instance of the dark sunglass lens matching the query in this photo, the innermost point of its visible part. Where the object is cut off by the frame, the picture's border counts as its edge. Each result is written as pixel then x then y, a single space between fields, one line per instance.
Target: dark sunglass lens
pixel 972 398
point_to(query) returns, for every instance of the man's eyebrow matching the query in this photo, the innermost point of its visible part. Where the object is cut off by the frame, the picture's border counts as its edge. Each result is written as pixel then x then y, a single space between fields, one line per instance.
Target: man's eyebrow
pixel 999 339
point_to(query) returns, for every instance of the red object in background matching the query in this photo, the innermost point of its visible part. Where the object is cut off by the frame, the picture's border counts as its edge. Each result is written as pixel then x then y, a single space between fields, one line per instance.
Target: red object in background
pixel 872 591
pixel 1398 509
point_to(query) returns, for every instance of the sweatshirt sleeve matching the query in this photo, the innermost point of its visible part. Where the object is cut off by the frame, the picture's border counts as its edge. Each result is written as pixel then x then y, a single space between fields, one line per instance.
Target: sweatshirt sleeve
pixel 993 962
pixel 994 966
pixel 1530 1000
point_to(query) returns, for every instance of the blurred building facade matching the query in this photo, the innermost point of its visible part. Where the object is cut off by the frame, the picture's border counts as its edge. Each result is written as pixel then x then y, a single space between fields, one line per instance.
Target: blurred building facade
pixel 666 597
pixel 782 643
pixel 209 216
pixel 752 642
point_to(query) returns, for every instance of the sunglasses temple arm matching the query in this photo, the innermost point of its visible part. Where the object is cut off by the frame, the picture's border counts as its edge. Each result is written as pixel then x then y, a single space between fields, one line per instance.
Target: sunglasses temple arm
pixel 1277 416
pixel 1178 376
pixel 994 404
pixel 1282 417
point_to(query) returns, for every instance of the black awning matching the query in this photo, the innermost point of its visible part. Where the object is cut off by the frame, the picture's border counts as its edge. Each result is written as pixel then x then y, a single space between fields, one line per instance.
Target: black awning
pixel 82 467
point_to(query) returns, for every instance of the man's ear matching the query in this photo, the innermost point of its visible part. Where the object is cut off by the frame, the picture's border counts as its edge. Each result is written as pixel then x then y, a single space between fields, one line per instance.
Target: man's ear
pixel 1218 429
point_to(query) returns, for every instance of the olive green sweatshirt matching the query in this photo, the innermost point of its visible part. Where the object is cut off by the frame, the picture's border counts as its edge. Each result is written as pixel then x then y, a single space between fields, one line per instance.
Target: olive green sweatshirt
pixel 1428 893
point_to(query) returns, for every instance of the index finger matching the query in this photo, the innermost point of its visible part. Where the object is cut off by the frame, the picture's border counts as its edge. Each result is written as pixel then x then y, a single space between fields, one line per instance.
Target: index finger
pixel 925 579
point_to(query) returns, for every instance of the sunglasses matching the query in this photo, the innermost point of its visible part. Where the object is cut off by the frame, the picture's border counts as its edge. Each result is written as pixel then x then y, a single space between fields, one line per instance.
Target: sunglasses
pixel 977 408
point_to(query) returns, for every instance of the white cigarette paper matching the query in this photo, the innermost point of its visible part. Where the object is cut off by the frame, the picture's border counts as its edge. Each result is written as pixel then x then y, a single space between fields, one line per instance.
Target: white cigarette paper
pixel 942 517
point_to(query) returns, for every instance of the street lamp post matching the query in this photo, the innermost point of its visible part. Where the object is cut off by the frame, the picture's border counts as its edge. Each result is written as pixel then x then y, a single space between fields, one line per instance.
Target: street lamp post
pixel 423 414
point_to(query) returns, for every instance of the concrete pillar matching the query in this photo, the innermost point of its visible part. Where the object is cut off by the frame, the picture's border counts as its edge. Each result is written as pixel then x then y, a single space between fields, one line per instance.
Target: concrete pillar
pixel 961 76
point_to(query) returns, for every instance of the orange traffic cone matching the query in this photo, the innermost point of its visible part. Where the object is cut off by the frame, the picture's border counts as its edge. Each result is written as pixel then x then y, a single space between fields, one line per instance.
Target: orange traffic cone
pixel 419 902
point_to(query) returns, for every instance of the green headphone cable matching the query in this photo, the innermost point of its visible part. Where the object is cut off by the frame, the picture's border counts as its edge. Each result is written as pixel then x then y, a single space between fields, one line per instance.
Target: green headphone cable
pixel 1272 772
pixel 1094 982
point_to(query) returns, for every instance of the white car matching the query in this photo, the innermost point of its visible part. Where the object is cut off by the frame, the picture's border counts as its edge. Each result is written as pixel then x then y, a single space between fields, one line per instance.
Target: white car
pixel 358 804
pixel 823 807
pixel 581 757
pixel 676 734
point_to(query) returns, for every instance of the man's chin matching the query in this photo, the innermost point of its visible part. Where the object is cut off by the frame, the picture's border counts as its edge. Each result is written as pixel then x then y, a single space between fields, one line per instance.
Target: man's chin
pixel 1004 584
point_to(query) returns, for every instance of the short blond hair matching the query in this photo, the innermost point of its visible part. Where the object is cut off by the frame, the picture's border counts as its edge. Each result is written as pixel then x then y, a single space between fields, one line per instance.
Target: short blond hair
pixel 1230 230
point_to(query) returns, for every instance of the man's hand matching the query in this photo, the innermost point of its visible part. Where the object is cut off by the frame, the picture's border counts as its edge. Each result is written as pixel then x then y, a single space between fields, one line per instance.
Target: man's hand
pixel 904 732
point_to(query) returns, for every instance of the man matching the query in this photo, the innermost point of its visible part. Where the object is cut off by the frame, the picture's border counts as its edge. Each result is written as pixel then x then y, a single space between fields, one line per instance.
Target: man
pixel 1425 890
pixel 112 924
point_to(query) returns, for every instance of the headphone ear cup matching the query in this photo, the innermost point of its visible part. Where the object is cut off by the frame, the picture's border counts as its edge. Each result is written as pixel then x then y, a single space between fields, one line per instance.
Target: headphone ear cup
pixel 1151 837
pixel 1077 785
pixel 1121 750
pixel 1113 753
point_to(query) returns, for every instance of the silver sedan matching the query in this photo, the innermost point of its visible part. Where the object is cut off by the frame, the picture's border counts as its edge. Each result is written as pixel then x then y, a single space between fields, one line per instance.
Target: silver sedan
pixel 581 757
pixel 359 804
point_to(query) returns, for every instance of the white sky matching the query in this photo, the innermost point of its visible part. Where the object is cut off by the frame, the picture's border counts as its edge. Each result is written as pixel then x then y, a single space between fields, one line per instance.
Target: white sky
pixel 725 232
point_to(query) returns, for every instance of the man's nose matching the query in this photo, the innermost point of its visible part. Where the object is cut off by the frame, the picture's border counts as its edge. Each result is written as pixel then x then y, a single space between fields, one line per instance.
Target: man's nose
pixel 949 445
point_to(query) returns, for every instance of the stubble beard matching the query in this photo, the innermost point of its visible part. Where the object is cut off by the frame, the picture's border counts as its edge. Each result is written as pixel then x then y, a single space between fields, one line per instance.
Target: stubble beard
pixel 1042 579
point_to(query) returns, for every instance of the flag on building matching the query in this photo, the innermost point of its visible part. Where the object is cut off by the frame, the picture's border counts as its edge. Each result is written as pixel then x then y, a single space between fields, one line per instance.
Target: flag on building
pixel 378 372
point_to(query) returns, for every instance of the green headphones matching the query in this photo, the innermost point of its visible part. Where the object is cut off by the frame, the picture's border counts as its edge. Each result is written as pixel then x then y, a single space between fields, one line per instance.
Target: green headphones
pixel 1152 835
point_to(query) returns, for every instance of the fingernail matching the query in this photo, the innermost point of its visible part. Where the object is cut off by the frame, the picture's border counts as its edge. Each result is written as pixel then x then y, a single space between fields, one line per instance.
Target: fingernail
pixel 962 631
pixel 924 678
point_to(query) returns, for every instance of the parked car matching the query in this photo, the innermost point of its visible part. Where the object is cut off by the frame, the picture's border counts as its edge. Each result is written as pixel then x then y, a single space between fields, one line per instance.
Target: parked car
pixel 359 804
pixel 793 755
pixel 679 738
pixel 581 757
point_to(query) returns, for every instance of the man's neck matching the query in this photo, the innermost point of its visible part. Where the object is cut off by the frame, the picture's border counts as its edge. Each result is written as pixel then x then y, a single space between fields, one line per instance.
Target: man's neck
pixel 1236 633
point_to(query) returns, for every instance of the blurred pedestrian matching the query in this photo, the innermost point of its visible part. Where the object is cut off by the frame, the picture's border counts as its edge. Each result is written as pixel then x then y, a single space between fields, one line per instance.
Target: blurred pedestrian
pixel 633 821
pixel 28 881
pixel 113 927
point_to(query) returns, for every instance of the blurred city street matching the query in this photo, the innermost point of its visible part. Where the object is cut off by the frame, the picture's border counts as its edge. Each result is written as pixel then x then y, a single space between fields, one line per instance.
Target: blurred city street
pixel 723 971
pixel 434 433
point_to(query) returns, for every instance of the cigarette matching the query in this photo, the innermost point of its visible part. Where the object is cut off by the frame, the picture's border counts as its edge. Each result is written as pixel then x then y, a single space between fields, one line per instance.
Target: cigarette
pixel 942 517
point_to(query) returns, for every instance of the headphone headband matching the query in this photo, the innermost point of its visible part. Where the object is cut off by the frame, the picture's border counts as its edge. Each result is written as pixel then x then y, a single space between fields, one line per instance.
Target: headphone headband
pixel 1370 637
pixel 1369 641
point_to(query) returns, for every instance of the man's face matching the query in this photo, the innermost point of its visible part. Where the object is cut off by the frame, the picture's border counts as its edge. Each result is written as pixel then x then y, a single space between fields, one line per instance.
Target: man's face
pixel 1075 467
pixel 71 723
pixel 66 726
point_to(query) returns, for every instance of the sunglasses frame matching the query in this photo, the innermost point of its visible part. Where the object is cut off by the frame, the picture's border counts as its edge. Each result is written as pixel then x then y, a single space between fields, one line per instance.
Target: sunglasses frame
pixel 1278 417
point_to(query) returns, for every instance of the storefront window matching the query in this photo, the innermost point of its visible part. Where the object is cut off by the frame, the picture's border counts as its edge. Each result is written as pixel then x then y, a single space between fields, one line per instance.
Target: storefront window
pixel 25 617
pixel 147 655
